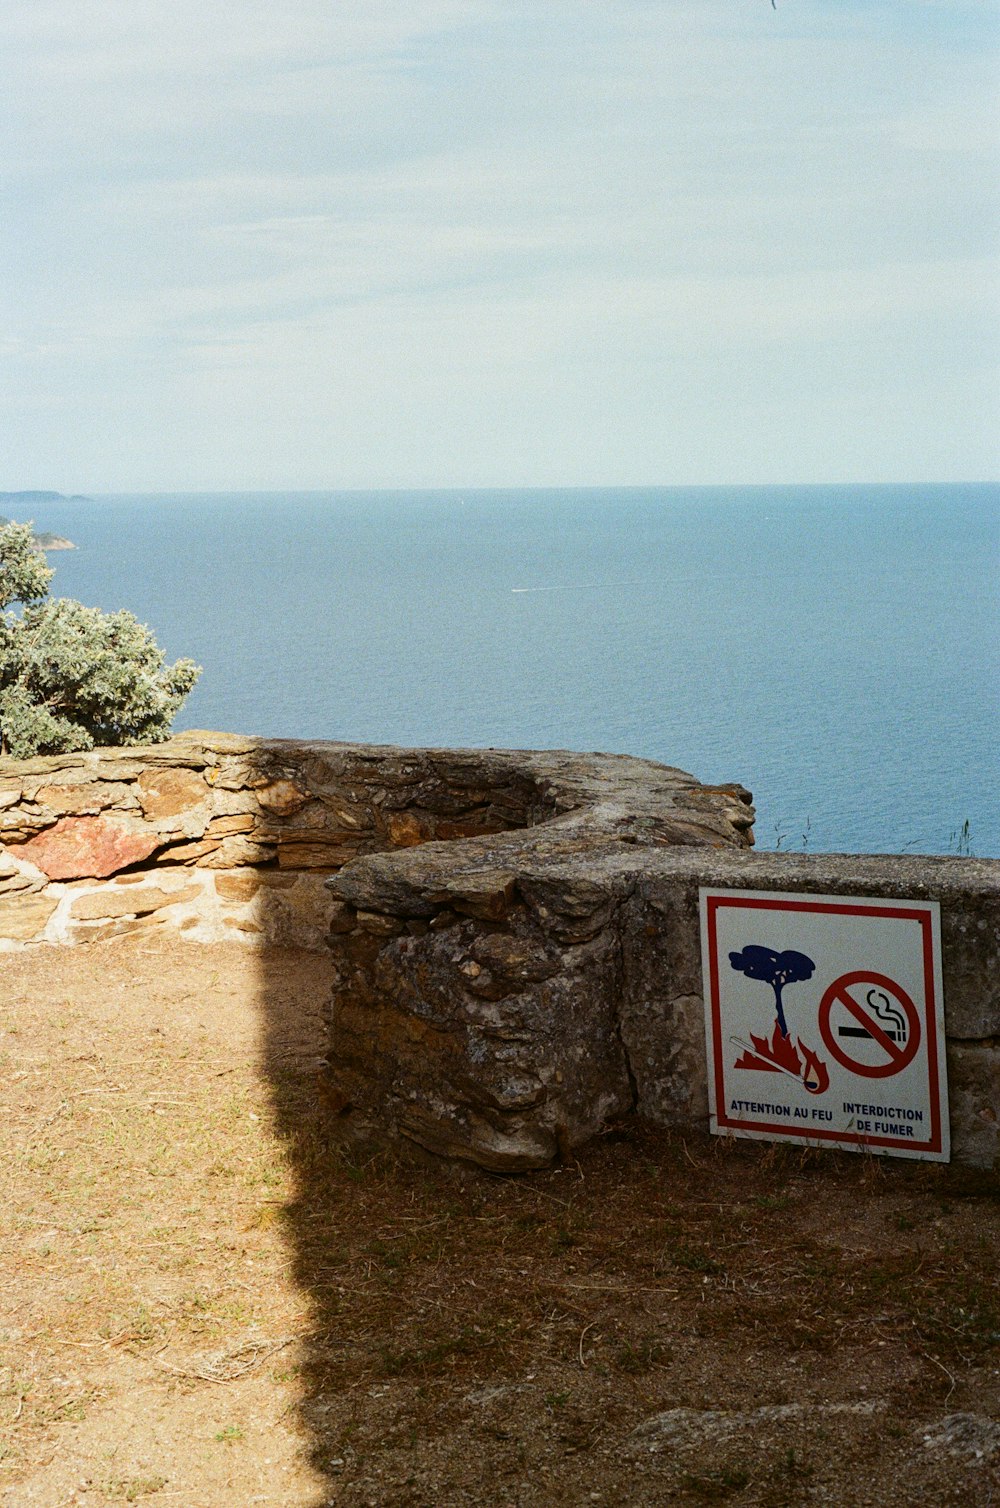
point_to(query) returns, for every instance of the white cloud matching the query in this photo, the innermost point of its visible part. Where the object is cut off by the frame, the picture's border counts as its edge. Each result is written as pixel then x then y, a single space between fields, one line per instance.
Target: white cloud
pixel 90 41
pixel 417 203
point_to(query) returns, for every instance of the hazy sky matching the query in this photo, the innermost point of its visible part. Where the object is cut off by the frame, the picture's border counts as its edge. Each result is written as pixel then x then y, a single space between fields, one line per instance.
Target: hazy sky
pixel 351 243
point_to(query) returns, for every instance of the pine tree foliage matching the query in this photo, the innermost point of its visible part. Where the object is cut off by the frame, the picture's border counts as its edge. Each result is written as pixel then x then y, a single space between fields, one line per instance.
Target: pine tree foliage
pixel 73 677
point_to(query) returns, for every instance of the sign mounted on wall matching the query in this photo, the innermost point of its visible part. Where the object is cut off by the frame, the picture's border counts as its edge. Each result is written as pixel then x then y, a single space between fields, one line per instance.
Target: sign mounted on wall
pixel 824 1021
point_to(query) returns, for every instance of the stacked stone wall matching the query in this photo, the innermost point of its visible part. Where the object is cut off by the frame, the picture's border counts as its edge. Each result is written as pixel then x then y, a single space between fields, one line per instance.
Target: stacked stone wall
pixel 513 936
pixel 212 835
pixel 506 999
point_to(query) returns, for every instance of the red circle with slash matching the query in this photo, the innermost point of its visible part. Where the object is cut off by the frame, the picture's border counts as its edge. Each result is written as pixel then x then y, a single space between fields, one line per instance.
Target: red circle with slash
pixel 898 1055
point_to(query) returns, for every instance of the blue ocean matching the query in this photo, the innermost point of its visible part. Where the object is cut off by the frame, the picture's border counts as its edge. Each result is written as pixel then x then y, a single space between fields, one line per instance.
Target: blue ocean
pixel 835 649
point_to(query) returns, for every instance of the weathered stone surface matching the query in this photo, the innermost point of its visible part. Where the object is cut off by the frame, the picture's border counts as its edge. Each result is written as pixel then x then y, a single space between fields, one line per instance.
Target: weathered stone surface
pixel 76 848
pixel 507 1034
pixel 22 822
pixel 235 852
pixel 282 797
pixel 488 896
pixel 974 1096
pixel 973 1437
pixel 405 830
pixel 315 854
pixel 475 1040
pixel 86 797
pixel 513 961
pixel 970 939
pixel 188 853
pixel 224 827
pixel 169 792
pixel 343 917
pixel 376 923
pixel 679 1427
pixel 663 1017
pixel 128 900
pixel 15 878
pixel 237 885
pixel 102 930
pixel 23 917
pixel 293 910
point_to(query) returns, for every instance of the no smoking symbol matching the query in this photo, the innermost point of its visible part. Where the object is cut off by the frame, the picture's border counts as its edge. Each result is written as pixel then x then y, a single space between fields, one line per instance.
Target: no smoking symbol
pixel 881 1012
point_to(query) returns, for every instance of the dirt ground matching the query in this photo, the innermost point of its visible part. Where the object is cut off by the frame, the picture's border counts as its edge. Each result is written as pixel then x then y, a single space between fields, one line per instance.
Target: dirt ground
pixel 207 1301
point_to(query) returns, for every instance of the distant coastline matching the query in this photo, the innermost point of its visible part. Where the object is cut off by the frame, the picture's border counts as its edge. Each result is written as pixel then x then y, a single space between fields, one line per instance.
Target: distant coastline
pixel 19 498
pixel 44 539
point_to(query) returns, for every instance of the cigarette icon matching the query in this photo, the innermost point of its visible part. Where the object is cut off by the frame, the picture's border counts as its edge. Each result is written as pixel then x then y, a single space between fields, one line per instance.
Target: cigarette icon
pixel 890 1018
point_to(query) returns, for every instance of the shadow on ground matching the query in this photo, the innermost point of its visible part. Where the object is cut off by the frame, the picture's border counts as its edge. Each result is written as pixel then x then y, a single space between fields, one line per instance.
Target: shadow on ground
pixel 663 1320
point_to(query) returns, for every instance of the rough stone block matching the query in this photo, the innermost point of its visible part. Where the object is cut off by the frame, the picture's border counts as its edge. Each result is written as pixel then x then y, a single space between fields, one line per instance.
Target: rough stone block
pixel 237 885
pixel 974 1100
pixel 85 798
pixel 226 826
pixel 23 917
pixel 317 853
pixel 102 930
pixel 342 917
pixel 297 915
pixel 188 853
pixel 76 848
pixel 282 797
pixel 406 830
pixel 129 900
pixel 170 792
pixel 236 852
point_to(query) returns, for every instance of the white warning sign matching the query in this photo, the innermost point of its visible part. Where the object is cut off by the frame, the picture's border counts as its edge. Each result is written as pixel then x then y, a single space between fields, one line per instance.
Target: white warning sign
pixel 824 1021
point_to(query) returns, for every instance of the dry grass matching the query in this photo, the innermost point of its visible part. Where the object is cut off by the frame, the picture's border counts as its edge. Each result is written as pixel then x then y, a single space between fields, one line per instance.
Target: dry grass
pixel 204 1300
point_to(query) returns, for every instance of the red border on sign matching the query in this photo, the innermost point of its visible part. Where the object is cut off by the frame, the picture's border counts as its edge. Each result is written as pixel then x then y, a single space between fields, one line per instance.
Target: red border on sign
pixel 857 1138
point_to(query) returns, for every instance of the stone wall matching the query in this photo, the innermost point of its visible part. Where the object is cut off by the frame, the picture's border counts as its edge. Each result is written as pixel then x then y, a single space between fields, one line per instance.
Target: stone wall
pixel 499 998
pixel 212 835
pixel 505 999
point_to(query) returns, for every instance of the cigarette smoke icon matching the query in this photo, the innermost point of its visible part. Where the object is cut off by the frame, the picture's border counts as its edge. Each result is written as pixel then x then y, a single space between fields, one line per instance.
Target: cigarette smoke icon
pixel 889 1017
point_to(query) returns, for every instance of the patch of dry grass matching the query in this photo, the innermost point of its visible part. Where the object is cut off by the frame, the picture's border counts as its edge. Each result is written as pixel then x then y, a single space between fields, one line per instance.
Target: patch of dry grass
pixel 206 1299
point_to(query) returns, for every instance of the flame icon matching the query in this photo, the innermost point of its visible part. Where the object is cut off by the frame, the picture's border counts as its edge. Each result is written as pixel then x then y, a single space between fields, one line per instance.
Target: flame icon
pixel 815 1075
pixel 782 1054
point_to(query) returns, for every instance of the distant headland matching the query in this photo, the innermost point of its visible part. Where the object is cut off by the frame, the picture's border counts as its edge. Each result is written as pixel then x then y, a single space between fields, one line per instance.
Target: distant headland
pixel 43 538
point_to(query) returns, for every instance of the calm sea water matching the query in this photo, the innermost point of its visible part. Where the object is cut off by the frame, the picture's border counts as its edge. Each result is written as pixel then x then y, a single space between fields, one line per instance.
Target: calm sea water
pixel 833 648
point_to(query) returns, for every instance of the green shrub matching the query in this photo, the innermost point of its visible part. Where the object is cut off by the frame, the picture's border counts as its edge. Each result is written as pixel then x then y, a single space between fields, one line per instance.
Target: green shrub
pixel 73 677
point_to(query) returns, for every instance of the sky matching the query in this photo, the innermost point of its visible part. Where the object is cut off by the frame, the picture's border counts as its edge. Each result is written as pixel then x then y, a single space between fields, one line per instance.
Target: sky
pixel 497 243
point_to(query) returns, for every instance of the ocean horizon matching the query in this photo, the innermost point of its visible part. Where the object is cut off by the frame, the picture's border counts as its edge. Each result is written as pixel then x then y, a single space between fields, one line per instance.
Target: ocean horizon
pixel 833 648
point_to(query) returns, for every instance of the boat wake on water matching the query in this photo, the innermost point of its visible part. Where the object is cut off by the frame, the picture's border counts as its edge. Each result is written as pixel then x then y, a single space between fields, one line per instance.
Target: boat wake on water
pixel 579 586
